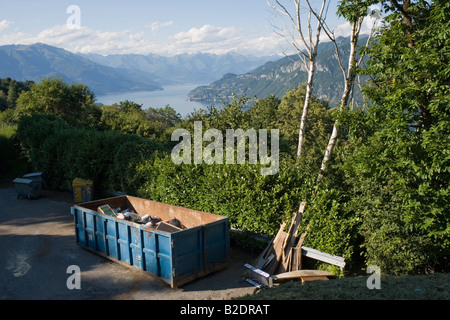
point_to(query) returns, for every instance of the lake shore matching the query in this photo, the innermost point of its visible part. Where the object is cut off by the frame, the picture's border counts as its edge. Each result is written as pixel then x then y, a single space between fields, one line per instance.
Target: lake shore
pixel 176 96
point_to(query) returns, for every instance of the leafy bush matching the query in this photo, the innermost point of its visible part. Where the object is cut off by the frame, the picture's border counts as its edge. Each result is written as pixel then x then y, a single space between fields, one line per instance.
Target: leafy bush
pixel 253 202
pixel 64 152
pixel 11 163
pixel 399 167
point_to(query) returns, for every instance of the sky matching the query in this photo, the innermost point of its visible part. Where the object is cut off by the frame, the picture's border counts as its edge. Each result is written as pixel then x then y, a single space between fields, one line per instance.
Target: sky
pixel 167 27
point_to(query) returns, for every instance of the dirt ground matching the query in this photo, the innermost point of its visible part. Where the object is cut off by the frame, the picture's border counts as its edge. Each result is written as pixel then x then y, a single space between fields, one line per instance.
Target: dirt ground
pixel 37 241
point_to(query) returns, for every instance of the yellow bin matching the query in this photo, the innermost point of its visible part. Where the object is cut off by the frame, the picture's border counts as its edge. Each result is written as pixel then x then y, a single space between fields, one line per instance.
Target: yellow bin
pixel 82 190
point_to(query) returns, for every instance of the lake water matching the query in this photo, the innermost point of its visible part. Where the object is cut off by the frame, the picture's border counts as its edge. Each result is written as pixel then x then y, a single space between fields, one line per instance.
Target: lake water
pixel 173 95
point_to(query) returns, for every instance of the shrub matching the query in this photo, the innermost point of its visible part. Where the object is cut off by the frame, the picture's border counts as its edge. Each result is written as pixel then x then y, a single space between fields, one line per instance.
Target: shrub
pixel 253 202
pixel 64 152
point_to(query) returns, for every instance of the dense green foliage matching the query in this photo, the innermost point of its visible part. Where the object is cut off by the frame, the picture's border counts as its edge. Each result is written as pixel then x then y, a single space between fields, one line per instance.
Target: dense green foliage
pixel 384 195
pixel 400 164
pixel 63 152
pixel 12 161
pixel 10 90
pixel 128 117
pixel 255 202
pixel 73 103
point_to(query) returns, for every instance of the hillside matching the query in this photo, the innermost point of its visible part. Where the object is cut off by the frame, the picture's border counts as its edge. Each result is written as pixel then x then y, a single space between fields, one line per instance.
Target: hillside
pixel 32 62
pixel 277 77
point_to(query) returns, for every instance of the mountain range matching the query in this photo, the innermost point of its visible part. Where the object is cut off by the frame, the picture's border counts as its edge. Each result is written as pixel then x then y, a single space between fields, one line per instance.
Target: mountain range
pixel 183 68
pixel 32 62
pixel 118 73
pixel 277 77
pixel 227 74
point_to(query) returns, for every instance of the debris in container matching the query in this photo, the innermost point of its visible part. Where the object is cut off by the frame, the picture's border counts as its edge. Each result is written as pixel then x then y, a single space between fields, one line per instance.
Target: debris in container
pixel 107 210
pixel 130 215
pixel 164 226
pixel 175 257
pixel 136 218
pixel 175 222
pixel 153 223
pixel 147 220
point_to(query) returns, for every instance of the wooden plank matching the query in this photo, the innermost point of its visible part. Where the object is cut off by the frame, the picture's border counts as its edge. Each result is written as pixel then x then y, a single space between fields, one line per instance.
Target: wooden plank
pixel 278 250
pixel 296 259
pixel 291 227
pixel 324 257
pixel 264 256
pixel 166 227
pixel 305 279
pixel 298 250
pixel 272 248
pixel 302 274
pixel 281 246
pixel 301 208
pixel 291 239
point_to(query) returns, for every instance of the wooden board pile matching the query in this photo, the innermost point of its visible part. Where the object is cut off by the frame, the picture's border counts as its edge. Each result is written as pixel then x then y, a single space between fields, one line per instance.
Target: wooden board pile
pixel 282 258
pixel 284 252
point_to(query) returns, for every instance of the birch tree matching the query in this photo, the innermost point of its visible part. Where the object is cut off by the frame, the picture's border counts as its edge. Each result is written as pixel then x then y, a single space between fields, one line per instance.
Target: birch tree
pixel 355 12
pixel 302 37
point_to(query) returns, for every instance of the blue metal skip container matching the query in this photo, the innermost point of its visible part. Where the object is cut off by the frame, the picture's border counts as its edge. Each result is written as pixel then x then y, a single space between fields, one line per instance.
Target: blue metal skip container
pixel 173 257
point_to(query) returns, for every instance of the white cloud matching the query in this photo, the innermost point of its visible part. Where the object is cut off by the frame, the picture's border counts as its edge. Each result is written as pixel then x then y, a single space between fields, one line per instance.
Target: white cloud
pixel 5 24
pixel 345 29
pixel 207 34
pixel 373 20
pixel 208 38
pixel 219 40
pixel 155 26
pixel 80 40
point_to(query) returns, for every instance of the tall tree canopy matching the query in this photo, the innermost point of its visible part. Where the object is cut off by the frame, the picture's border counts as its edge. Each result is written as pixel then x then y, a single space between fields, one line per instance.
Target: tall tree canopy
pixel 400 166
pixel 74 103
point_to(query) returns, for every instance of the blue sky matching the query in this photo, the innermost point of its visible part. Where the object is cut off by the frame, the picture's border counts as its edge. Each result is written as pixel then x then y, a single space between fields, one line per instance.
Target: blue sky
pixel 163 27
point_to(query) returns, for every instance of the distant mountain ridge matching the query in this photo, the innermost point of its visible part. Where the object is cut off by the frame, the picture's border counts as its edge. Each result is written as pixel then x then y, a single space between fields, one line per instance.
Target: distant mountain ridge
pixel 237 74
pixel 32 62
pixel 183 68
pixel 118 73
pixel 277 77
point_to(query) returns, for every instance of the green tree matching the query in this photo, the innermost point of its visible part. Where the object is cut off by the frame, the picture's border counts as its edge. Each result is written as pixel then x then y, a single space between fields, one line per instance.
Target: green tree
pixel 400 165
pixel 318 124
pixel 128 117
pixel 262 114
pixel 12 94
pixel 3 101
pixel 74 103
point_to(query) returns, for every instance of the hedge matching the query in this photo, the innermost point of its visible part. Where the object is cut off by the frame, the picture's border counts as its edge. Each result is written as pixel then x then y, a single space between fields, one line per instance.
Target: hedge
pixel 63 152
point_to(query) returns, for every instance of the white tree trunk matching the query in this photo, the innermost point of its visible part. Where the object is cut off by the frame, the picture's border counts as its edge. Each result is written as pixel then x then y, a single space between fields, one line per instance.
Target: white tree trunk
pixel 335 132
pixel 309 45
pixel 348 86
pixel 309 89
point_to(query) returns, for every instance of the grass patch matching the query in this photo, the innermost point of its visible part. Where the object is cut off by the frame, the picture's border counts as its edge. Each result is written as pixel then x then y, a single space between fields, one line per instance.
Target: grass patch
pixel 418 287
